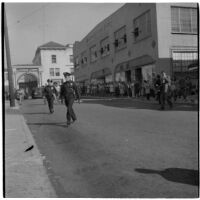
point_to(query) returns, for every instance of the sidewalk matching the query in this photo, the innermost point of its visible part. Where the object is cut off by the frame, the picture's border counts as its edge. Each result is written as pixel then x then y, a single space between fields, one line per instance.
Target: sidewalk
pixel 25 175
pixel 193 100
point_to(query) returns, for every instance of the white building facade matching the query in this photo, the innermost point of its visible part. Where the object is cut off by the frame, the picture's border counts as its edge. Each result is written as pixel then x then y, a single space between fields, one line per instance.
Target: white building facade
pixel 54 59
pixel 50 62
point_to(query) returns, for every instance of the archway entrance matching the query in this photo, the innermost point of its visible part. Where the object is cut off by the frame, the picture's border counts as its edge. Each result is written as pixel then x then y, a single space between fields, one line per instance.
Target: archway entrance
pixel 28 82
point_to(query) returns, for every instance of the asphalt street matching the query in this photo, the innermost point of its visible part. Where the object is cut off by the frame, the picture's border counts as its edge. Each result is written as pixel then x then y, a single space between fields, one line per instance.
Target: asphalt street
pixel 118 149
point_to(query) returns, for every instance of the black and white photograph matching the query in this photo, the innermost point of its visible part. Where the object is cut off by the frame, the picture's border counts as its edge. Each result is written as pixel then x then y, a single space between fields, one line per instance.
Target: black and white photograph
pixel 100 99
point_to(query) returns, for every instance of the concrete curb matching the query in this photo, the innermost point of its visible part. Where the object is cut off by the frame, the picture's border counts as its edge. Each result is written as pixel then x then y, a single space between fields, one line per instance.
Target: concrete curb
pixel 190 101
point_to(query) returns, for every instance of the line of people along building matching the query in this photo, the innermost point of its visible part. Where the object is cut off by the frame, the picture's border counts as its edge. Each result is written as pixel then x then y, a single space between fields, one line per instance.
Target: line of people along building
pixel 149 89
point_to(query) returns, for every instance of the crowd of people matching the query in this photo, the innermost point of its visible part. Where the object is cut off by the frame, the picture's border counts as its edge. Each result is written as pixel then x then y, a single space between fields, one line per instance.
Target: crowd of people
pixel 176 88
pixel 173 89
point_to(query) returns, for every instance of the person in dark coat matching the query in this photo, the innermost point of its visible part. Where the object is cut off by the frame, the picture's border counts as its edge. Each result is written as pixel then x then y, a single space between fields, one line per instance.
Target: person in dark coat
pixel 69 92
pixel 157 86
pixel 50 92
pixel 137 89
pixel 165 91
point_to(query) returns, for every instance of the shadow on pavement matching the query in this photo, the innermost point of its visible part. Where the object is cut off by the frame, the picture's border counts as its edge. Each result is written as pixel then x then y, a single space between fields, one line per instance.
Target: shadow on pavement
pixel 134 104
pixel 39 113
pixel 179 175
pixel 61 124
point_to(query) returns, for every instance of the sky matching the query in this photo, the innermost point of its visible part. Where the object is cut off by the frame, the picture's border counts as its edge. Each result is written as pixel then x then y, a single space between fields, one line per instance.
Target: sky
pixel 33 24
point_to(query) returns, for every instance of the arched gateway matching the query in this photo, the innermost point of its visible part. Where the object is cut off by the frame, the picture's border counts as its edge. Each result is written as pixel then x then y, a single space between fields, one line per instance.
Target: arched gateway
pixel 28 82
pixel 27 77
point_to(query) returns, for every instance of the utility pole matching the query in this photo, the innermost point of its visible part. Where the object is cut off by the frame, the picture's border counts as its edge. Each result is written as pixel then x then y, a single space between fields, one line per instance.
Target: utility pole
pixel 9 66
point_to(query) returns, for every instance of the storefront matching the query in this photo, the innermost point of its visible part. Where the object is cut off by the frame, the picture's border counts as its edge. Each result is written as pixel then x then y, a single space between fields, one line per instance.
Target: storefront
pixel 185 64
pixel 123 72
pixel 148 72
pixel 139 69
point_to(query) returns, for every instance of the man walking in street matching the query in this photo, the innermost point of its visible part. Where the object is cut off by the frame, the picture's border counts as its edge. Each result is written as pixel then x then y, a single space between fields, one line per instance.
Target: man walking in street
pixel 69 92
pixel 50 92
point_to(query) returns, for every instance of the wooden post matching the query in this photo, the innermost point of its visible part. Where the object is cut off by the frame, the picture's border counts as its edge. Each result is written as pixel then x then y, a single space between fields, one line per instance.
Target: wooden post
pixel 10 71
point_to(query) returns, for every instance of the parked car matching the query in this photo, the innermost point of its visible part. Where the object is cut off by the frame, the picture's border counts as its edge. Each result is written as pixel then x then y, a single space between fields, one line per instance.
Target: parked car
pixel 37 93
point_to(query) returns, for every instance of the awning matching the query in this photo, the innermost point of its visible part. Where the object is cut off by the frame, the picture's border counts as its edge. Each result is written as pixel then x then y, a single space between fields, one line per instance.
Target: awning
pixel 141 61
pixel 83 80
pixel 134 63
pixel 122 67
pixel 101 73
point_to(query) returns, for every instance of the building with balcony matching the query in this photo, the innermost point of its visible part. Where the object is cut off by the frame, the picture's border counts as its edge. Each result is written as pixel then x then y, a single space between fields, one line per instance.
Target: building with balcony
pixel 138 41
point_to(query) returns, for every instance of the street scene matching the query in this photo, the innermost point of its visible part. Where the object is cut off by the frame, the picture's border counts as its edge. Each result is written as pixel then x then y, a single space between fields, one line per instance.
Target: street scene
pixel 106 111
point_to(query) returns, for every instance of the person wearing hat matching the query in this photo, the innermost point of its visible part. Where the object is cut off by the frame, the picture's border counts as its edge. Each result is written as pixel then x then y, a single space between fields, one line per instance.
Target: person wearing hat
pixel 50 92
pixel 69 92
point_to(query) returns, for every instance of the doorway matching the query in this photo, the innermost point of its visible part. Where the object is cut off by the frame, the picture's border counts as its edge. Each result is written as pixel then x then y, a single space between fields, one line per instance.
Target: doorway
pixel 138 75
pixel 128 76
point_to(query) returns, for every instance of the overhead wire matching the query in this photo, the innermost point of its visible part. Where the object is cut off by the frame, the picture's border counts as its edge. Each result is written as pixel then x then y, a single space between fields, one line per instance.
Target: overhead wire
pixel 29 15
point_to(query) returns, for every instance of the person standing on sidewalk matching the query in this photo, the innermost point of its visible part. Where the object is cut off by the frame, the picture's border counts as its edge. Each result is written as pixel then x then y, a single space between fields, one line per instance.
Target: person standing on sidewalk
pixel 147 89
pixel 137 89
pixel 128 88
pixel 157 86
pixel 121 89
pixel 132 85
pixel 111 88
pixel 21 95
pixel 69 93
pixel 50 93
pixel 165 91
pixel 43 94
pixel 57 87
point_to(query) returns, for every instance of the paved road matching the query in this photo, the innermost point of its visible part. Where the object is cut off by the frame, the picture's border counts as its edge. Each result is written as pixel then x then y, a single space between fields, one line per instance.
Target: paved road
pixel 118 149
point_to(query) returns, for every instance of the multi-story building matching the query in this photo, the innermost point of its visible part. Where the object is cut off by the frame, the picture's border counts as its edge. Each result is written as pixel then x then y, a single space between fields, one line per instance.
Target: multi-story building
pixel 138 41
pixel 50 61
pixel 54 59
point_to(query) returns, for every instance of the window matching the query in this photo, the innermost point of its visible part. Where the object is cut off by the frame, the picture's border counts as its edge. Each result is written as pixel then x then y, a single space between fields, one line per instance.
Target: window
pixel 184 20
pixel 71 58
pixel 51 71
pixel 76 64
pixel 57 71
pixel 53 58
pixel 83 58
pixel 105 47
pixel 120 38
pixel 93 54
pixel 142 26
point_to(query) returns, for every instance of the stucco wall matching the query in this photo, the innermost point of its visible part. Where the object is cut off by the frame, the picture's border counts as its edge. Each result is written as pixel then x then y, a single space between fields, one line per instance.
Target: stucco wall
pixel 167 40
pixel 62 62
pixel 124 16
